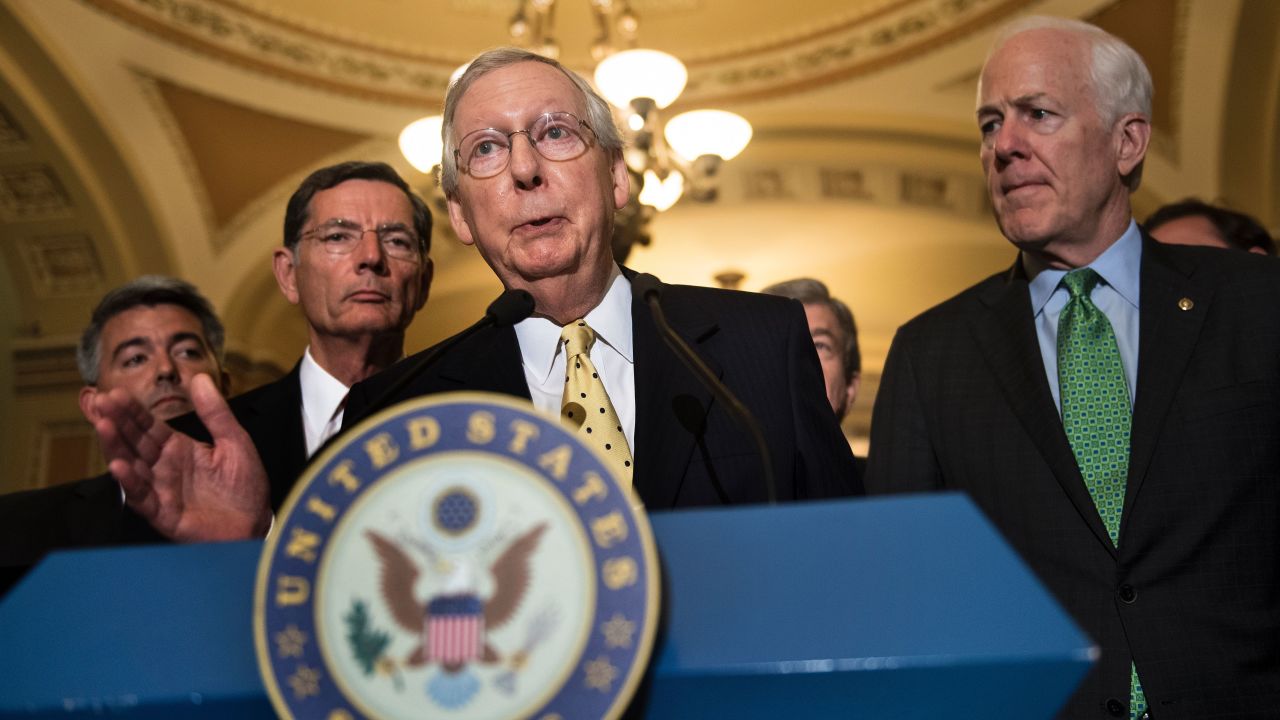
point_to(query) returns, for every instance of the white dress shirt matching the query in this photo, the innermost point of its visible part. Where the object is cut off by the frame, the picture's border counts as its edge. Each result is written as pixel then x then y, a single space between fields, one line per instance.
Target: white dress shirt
pixel 322 402
pixel 543 356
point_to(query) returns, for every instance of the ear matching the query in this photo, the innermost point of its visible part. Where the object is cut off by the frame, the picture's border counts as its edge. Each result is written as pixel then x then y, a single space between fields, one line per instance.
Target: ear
pixel 284 265
pixel 851 391
pixel 1133 134
pixel 621 182
pixel 458 219
pixel 427 271
pixel 87 394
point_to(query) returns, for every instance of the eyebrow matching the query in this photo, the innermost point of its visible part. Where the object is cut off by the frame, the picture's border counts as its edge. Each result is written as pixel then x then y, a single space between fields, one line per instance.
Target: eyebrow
pixel 341 221
pixel 143 342
pixel 132 342
pixel 1019 101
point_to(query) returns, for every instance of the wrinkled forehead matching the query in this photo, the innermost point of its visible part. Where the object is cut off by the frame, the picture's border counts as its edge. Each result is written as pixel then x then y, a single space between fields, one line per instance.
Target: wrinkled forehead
pixel 513 96
pixel 1037 61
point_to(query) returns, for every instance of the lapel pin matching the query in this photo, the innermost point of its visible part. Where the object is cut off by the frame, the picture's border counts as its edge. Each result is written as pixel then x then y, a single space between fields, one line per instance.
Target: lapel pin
pixel 1185 304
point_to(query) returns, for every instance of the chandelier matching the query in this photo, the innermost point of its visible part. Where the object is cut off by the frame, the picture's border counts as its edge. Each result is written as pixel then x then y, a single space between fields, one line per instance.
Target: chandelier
pixel 667 160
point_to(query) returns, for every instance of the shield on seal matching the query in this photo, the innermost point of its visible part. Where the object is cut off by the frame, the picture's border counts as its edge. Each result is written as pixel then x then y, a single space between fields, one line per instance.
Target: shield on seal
pixel 454 629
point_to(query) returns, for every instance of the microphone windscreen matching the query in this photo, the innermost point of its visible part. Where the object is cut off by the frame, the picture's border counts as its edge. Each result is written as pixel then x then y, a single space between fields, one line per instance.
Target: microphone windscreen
pixel 646 286
pixel 510 308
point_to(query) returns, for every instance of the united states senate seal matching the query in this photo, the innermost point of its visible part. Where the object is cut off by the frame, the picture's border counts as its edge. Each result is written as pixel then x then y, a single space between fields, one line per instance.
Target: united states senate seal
pixel 456 556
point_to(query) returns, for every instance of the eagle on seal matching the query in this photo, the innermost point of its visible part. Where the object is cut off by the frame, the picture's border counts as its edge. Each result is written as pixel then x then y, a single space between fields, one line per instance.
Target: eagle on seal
pixel 453 625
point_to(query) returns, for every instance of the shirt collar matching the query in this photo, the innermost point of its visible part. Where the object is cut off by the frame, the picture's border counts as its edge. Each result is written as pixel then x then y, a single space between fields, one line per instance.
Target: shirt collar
pixel 321 392
pixel 610 320
pixel 1119 267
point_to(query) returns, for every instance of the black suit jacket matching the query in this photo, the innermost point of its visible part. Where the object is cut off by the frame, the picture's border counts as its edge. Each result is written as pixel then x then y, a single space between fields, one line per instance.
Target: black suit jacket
pixel 1192 594
pixel 688 451
pixel 87 513
pixel 90 513
pixel 272 415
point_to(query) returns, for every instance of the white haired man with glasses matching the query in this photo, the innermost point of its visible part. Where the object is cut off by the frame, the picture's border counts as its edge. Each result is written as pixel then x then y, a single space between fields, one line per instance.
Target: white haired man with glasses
pixel 533 173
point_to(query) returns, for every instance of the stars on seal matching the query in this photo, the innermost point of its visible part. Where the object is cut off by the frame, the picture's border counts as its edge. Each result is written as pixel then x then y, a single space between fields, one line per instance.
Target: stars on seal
pixel 305 682
pixel 600 674
pixel 290 642
pixel 618 631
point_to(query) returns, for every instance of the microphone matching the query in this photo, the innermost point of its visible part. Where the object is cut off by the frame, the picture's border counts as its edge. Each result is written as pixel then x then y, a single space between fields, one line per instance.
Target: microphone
pixel 649 289
pixel 508 309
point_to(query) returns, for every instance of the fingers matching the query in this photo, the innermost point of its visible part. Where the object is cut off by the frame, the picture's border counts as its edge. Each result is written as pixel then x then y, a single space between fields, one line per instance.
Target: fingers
pixel 126 429
pixel 137 487
pixel 213 411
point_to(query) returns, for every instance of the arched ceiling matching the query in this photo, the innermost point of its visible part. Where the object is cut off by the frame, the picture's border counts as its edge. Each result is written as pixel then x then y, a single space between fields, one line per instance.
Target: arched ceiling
pixel 165 136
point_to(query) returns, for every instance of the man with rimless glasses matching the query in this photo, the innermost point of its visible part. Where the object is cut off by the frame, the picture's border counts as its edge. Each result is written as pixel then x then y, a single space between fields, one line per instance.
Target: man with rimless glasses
pixel 355 260
pixel 533 173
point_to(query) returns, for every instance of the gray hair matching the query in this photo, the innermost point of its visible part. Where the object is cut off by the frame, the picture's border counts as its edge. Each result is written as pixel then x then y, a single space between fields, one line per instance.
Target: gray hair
pixel 148 290
pixel 814 292
pixel 599 116
pixel 1119 78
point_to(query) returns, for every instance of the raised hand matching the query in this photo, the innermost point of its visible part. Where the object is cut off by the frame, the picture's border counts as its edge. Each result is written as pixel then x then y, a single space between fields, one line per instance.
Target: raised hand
pixel 188 490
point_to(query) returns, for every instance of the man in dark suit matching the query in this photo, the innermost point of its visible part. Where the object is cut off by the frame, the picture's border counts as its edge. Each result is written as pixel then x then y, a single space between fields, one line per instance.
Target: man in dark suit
pixel 147 338
pixel 1110 403
pixel 533 172
pixel 355 260
pixel 835 336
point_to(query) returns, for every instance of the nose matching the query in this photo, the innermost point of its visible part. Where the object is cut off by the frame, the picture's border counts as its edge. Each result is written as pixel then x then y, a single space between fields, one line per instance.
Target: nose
pixel 525 163
pixel 369 252
pixel 1009 142
pixel 166 369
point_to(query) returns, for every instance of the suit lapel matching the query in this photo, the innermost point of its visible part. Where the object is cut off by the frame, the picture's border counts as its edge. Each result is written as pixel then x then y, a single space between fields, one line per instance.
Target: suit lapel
pixel 671 405
pixel 490 361
pixel 1167 335
pixel 276 413
pixel 1007 337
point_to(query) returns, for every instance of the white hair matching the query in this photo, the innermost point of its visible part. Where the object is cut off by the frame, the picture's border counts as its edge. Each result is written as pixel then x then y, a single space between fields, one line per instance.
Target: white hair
pixel 1119 78
pixel 599 116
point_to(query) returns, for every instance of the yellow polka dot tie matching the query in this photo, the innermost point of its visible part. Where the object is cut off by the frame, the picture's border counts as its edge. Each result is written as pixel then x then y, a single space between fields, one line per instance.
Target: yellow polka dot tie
pixel 586 406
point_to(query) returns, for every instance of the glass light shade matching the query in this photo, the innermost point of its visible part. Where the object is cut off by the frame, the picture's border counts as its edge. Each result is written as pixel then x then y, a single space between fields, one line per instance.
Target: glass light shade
pixel 421 144
pixel 708 132
pixel 660 194
pixel 630 74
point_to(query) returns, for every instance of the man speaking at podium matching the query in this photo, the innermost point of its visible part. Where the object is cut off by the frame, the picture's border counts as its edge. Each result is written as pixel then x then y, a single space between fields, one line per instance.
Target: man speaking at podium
pixel 533 172
pixel 1111 403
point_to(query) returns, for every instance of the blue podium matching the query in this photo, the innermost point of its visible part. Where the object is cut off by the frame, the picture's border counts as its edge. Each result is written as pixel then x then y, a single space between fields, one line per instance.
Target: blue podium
pixel 908 607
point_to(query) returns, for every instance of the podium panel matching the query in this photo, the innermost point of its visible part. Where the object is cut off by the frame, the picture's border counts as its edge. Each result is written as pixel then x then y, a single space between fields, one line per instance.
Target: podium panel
pixel 880 608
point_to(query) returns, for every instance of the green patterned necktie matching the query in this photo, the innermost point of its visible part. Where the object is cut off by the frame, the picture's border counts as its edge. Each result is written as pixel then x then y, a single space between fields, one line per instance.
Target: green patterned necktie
pixel 1096 412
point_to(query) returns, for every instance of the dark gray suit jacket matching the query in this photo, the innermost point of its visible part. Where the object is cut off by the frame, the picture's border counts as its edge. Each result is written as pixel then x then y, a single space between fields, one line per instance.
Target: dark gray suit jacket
pixel 1192 594
pixel 689 452
pixel 90 513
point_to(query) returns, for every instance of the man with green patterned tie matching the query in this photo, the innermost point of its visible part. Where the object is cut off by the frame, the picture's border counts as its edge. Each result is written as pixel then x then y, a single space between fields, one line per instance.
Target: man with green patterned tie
pixel 1112 404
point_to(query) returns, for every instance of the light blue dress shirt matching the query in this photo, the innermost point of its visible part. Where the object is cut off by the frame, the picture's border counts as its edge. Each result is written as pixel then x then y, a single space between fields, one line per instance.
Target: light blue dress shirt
pixel 1116 296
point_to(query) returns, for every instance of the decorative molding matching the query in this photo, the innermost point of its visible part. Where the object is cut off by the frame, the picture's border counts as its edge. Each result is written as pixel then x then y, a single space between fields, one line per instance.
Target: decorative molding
pixel 874 37
pixel 901 32
pixel 33 192
pixel 61 265
pixel 265 45
pixel 45 368
pixel 914 188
